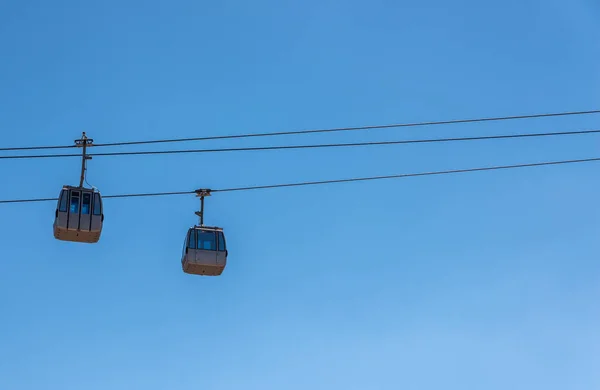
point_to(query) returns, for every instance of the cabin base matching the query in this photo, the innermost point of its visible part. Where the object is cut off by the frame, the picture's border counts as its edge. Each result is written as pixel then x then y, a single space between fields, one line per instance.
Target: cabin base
pixel 203 270
pixel 76 236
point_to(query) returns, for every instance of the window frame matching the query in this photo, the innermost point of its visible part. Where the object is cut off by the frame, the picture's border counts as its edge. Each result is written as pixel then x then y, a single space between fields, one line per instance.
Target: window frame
pixel 97 204
pixel 192 232
pixel 214 240
pixel 71 198
pixel 89 203
pixel 63 201
pixel 221 237
pixel 185 246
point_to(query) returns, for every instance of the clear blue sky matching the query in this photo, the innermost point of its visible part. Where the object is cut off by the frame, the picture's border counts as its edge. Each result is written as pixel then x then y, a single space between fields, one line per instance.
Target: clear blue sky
pixel 475 281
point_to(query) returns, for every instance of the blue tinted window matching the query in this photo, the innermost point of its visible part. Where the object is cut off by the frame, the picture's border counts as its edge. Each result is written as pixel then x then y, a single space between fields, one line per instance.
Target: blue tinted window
pixel 97 204
pixel 64 198
pixel 192 239
pixel 74 202
pixel 221 242
pixel 86 204
pixel 207 240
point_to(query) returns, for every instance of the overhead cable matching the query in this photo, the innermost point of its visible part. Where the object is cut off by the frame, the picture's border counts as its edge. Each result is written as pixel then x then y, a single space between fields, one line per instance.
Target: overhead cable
pixel 355 128
pixel 323 182
pixel 313 146
pixel 313 131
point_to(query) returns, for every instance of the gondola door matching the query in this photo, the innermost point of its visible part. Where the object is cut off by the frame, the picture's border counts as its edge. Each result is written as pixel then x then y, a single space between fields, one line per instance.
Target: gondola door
pixel 206 253
pixel 85 215
pixel 74 208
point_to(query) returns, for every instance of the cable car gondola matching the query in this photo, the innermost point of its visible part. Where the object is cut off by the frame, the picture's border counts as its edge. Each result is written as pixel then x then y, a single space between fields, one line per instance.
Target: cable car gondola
pixel 204 251
pixel 79 214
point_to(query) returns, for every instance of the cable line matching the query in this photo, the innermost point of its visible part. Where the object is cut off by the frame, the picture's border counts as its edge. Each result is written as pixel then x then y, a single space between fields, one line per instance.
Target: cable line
pixel 323 182
pixel 356 128
pixel 398 176
pixel 37 148
pixel 313 131
pixel 313 146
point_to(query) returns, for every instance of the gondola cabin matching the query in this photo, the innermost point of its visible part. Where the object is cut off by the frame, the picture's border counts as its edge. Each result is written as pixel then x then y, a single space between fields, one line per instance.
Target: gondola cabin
pixel 79 215
pixel 204 251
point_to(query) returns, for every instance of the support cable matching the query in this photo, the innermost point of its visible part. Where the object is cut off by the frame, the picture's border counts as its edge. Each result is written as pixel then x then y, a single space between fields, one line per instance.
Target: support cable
pixel 313 131
pixel 324 182
pixel 313 146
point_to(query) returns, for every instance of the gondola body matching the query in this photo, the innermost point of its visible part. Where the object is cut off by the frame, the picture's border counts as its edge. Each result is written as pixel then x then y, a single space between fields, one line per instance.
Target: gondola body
pixel 79 215
pixel 204 251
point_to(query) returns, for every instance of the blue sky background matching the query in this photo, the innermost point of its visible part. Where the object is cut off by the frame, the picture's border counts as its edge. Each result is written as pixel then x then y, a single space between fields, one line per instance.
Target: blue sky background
pixel 476 281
